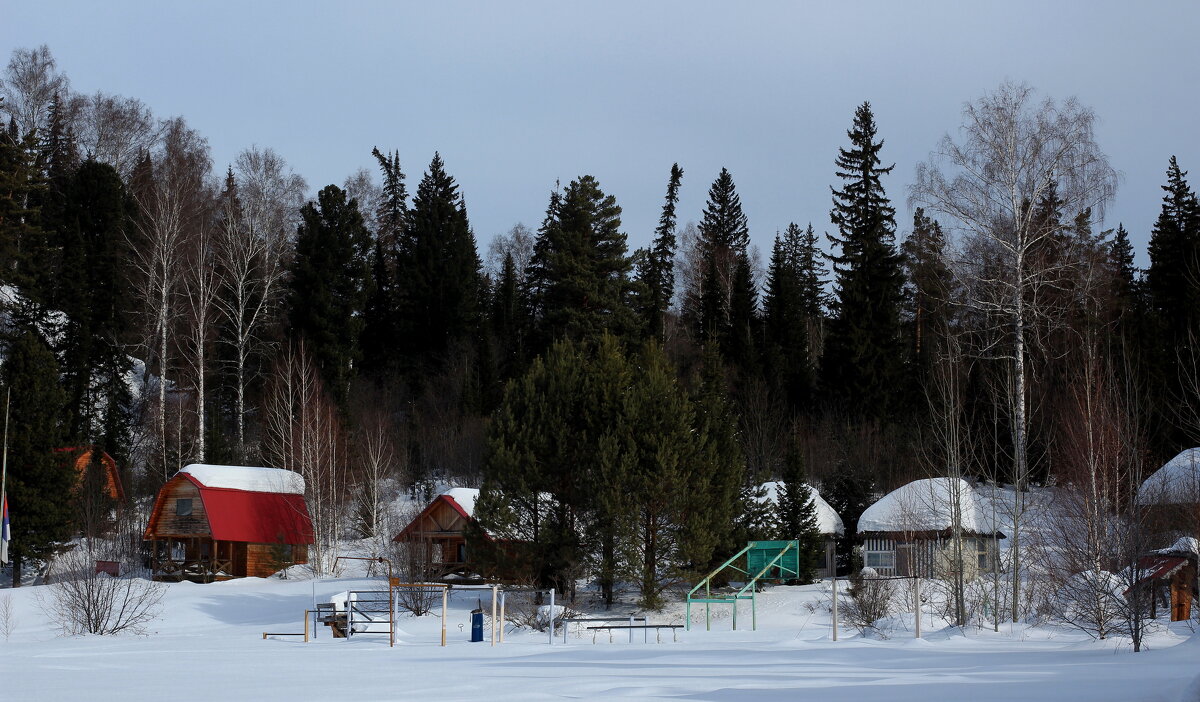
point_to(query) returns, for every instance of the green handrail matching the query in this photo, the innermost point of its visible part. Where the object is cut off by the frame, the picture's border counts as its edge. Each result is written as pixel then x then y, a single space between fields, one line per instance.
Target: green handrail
pixel 706 583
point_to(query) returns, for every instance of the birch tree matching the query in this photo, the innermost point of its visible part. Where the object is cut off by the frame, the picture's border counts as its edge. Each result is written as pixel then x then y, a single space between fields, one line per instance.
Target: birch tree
pixel 170 190
pixel 1012 152
pixel 258 213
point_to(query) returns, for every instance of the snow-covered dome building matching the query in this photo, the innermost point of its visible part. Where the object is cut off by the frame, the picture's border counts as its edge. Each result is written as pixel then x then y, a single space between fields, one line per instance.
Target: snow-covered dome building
pixel 829 523
pixel 911 530
pixel 1170 497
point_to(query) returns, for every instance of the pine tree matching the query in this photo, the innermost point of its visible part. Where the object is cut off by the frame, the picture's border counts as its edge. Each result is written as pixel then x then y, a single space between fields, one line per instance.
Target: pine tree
pixel 92 346
pixel 727 308
pixel 438 281
pixel 23 245
pixel 329 285
pixel 864 359
pixel 38 482
pixel 1173 279
pixel 930 286
pixel 578 280
pixel 381 336
pixel 797 515
pixel 786 321
pixel 657 275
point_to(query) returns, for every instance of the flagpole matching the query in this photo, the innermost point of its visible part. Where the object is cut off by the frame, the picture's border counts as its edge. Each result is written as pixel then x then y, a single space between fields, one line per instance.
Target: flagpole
pixel 4 475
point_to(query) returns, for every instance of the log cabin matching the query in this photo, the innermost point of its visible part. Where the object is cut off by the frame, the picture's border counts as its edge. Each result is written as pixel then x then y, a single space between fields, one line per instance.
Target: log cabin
pixel 1169 499
pixel 213 522
pixel 912 531
pixel 439 532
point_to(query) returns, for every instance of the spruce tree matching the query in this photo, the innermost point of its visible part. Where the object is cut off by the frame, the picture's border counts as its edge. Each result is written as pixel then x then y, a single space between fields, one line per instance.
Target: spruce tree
pixel 95 258
pixel 381 335
pixel 930 287
pixel 328 287
pixel 727 308
pixel 438 281
pixel 797 514
pixel 1173 279
pixel 38 481
pixel 23 246
pixel 578 280
pixel 657 275
pixel 786 360
pixel 864 360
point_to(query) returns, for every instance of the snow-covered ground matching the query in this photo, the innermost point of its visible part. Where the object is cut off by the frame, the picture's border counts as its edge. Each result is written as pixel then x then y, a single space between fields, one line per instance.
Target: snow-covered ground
pixel 208 645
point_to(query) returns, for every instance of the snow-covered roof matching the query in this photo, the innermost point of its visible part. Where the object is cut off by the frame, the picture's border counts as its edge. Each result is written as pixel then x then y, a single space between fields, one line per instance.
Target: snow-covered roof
pixel 828 521
pixel 1177 482
pixel 249 478
pixel 1184 545
pixel 926 505
pixel 465 497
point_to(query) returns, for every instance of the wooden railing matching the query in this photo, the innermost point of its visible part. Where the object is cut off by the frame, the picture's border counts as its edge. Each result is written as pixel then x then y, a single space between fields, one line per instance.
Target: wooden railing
pixel 203 570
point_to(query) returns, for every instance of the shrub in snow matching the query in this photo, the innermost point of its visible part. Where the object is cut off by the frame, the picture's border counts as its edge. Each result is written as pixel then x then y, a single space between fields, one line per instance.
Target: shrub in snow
pixel 1093 602
pixel 869 599
pixel 82 601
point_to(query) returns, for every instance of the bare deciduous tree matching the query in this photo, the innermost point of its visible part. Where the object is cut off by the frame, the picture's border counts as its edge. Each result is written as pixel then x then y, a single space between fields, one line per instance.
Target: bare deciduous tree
pixel 303 433
pixel 115 130
pixel 83 601
pixel 1013 152
pixel 518 243
pixel 29 85
pixel 173 202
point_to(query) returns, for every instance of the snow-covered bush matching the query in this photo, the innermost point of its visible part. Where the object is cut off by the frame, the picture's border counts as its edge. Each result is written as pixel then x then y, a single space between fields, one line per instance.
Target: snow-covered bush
pixel 869 599
pixel 82 601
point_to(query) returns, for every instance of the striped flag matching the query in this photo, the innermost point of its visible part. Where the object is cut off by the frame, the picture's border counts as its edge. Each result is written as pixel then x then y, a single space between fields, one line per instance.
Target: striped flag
pixel 5 531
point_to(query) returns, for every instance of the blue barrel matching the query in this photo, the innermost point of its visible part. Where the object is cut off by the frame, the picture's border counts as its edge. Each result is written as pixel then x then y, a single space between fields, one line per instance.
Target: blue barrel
pixel 477 625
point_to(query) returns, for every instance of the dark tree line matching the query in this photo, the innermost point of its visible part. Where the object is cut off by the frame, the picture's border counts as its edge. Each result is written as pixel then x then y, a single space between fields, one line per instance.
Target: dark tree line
pixel 620 409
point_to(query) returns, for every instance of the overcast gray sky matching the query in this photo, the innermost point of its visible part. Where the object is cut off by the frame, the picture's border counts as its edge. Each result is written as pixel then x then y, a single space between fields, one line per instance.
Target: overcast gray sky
pixel 517 95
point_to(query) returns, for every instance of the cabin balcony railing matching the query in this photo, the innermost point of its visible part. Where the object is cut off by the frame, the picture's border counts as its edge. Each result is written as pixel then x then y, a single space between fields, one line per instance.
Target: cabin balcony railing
pixel 202 570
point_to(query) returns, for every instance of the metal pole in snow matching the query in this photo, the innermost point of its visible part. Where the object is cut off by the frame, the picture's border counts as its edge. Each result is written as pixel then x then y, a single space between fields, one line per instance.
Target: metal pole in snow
pixel 502 600
pixel 631 628
pixel 445 597
pixel 551 616
pixel 917 603
pixel 835 608
pixel 493 615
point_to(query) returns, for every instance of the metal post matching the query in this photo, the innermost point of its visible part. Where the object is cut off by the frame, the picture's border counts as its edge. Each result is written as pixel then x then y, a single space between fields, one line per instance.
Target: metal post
pixel 708 606
pixel 551 616
pixel 917 603
pixel 502 599
pixel 835 608
pixel 753 610
pixel 493 615
pixel 306 626
pixel 445 597
pixel 735 599
pixel 631 628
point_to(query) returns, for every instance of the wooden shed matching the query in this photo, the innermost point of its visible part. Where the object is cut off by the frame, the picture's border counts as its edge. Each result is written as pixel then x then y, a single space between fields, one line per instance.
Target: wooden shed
pixel 911 531
pixel 1171 570
pixel 439 532
pixel 215 522
pixel 829 524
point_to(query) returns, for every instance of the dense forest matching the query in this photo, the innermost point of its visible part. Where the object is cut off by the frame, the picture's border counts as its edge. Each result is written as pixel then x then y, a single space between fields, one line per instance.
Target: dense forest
pixel 619 409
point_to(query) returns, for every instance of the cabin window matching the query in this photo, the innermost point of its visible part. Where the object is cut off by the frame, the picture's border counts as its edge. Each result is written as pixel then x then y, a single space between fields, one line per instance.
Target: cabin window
pixel 879 559
pixel 183 507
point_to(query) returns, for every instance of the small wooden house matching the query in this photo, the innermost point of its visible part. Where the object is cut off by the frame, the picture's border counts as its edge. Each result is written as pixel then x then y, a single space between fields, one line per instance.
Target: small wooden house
pixel 1170 498
pixel 439 532
pixel 80 457
pixel 218 522
pixel 911 531
pixel 828 523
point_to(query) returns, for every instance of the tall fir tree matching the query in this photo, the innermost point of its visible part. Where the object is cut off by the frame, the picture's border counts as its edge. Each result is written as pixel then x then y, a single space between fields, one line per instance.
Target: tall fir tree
pixel 1173 279
pixel 38 481
pixel 578 282
pixel 727 309
pixel 786 361
pixel 930 286
pixel 657 274
pixel 797 514
pixel 328 286
pixel 438 280
pixel 24 257
pixel 863 365
pixel 381 337
pixel 95 257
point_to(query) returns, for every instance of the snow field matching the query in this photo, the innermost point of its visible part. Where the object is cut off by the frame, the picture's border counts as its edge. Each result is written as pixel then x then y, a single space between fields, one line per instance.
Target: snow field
pixel 208 645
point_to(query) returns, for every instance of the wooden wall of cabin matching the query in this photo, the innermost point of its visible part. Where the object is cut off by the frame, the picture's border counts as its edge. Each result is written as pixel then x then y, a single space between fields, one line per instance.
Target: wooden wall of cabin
pixel 264 560
pixel 171 523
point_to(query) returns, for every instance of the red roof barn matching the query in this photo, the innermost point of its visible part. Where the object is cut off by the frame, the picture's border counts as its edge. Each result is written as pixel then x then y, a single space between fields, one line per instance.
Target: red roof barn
pixel 219 522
